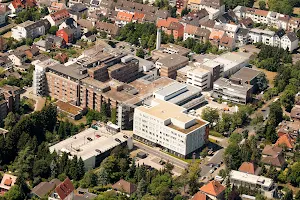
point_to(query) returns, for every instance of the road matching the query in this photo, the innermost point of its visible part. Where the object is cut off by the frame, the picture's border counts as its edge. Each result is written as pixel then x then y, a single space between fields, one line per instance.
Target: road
pixel 217 157
pixel 162 155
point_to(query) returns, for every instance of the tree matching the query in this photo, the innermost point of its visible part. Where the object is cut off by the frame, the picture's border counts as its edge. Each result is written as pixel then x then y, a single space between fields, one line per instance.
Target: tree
pixel 232 157
pixel 260 197
pixel 276 113
pixel 10 121
pixel 210 114
pixel 235 138
pixel 295 174
pixel 184 12
pixel 81 169
pixel 288 99
pixel 262 5
pixel 24 163
pixel 297 196
pixel 141 188
pixel 262 82
pixel 103 177
pixel 113 117
pixel 53 30
pixel 288 195
pixel 140 53
pixel 14 193
pixel 89 180
pixel 29 41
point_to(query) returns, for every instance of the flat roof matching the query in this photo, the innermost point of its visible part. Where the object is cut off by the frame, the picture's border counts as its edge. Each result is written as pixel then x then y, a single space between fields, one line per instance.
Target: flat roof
pixel 226 83
pixel 170 89
pixel 68 107
pixel 250 178
pixel 94 83
pixel 72 70
pixel 172 60
pixel 231 59
pixel 246 74
pixel 80 146
pixel 166 110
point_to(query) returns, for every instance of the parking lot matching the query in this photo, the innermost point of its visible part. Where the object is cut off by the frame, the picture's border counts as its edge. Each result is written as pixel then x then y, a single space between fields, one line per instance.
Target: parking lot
pixel 154 162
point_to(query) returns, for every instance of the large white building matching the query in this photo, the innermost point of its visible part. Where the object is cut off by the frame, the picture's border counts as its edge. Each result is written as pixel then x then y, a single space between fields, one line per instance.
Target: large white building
pixel 30 29
pixel 264 184
pixel 169 126
pixel 92 145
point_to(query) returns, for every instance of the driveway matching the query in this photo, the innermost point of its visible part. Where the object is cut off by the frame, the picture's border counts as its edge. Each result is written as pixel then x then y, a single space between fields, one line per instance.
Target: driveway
pixel 39 101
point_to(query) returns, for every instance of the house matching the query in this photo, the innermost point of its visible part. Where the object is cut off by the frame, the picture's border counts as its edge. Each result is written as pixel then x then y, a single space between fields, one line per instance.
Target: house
pixel 289 41
pixel 55 41
pixel 62 58
pixel 195 17
pixel 215 37
pixel 44 188
pixel 30 29
pixel 3 44
pixel 199 196
pixel 7 182
pixel 4 12
pixel 124 187
pixel 246 22
pixel 289 127
pixel 18 5
pixel 85 25
pixel 78 11
pixel 73 25
pixel 123 18
pixel 84 194
pixel 162 14
pixel 55 19
pixel 89 37
pixel 214 190
pixel 6 63
pixel 138 17
pixel 18 57
pixel 270 150
pixel 242 37
pixel 285 141
pixel 56 6
pixel 110 29
pixel 227 43
pixel 229 29
pixel 171 26
pixel 33 51
pixel 67 34
pixel 277 161
pixel 63 191
pixel 295 114
pixel 248 167
pixel 196 33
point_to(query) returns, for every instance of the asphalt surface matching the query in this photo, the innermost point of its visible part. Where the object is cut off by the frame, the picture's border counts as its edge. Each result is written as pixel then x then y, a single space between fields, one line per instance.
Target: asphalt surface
pixel 162 155
pixel 217 157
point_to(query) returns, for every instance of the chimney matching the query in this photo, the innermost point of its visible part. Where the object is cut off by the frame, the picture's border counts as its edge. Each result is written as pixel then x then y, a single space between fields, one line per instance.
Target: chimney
pixel 158 38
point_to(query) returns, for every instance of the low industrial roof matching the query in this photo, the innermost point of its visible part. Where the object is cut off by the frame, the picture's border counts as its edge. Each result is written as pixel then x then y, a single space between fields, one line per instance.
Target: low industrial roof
pixel 80 146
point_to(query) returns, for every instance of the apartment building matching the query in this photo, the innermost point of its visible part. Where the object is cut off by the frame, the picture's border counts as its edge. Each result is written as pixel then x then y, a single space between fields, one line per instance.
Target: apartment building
pixel 169 65
pixel 9 100
pixel 30 29
pixel 63 82
pixel 195 17
pixel 196 33
pixel 229 29
pixel 289 41
pixel 39 83
pixel 4 12
pixel 169 126
pixel 233 90
pixel 55 19
pixel 215 8
pixel 265 185
pixel 126 71
pixel 270 18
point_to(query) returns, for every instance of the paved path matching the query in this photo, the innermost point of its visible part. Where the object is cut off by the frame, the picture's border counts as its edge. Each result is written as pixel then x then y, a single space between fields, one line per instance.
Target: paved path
pixel 39 101
pixel 164 156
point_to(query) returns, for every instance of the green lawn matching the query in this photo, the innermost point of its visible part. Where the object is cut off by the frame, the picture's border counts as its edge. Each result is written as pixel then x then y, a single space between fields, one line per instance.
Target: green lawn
pixel 215 133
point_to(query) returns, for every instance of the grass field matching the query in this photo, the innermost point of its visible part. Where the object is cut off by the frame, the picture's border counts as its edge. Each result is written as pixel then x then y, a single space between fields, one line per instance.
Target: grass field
pixel 296 11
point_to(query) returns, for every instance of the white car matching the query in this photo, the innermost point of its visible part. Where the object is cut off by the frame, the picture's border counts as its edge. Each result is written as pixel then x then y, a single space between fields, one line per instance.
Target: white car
pixel 211 171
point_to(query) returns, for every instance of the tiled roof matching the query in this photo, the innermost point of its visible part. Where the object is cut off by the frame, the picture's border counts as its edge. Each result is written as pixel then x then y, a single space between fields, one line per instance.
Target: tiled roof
pixel 107 27
pixel 124 186
pixel 60 15
pixel 123 16
pixel 285 140
pixel 277 161
pixel 271 150
pixel 65 188
pixel 247 167
pixel 227 41
pixel 138 16
pixel 213 188
pixel 176 26
pixel 216 35
pixel 199 196
pixel 165 22
pixel 261 12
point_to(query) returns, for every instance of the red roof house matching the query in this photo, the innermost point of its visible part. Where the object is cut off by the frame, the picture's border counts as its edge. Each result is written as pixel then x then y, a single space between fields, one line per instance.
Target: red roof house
pixel 64 190
pixel 66 34
pixel 247 167
pixel 285 140
pixel 213 189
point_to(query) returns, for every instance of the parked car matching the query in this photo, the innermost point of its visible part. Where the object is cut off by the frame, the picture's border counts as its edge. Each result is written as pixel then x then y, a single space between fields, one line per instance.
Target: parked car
pixel 89 139
pixel 211 171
